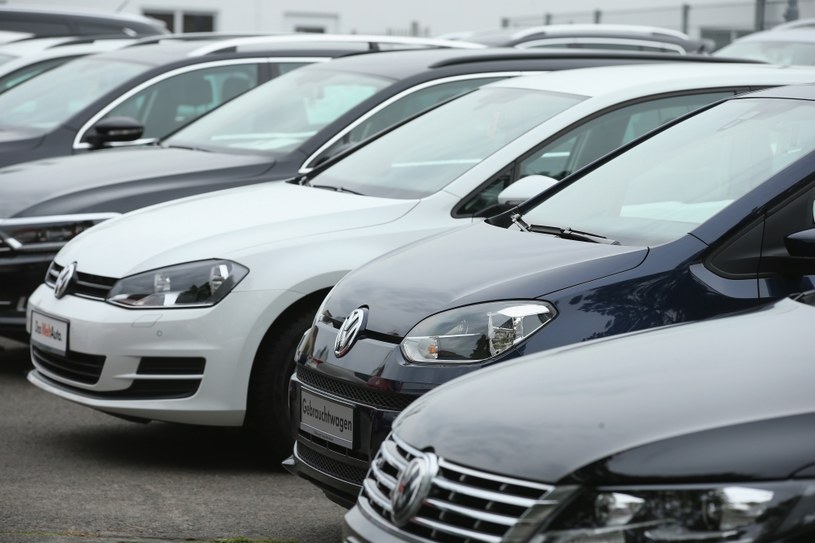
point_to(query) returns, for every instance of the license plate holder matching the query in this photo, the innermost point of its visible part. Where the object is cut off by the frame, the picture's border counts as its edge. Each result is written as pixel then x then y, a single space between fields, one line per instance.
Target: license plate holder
pixel 49 332
pixel 327 419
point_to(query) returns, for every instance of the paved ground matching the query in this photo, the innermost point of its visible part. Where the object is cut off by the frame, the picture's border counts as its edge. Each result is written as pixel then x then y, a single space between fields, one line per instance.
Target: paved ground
pixel 71 475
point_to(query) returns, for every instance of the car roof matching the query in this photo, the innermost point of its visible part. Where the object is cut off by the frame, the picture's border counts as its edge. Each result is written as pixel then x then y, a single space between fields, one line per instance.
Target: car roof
pixel 59 44
pixel 403 64
pixel 644 79
pixel 779 35
pixel 74 14
pixel 797 92
pixel 514 36
pixel 162 50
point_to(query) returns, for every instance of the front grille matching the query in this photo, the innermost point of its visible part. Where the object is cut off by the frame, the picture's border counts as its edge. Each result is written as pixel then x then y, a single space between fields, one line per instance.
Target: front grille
pixel 79 367
pixel 463 505
pixel 392 401
pixel 330 466
pixel 84 285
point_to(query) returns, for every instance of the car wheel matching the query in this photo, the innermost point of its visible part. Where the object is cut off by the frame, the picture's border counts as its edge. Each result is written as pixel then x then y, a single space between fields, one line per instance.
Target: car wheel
pixel 268 405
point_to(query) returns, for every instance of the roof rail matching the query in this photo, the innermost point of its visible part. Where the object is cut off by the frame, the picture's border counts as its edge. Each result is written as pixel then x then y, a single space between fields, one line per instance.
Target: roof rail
pixel 194 36
pixel 600 26
pixel 374 42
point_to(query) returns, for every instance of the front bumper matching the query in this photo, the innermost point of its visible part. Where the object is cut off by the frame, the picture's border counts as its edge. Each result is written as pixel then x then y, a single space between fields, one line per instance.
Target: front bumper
pixel 338 471
pixel 357 528
pixel 177 365
pixel 20 275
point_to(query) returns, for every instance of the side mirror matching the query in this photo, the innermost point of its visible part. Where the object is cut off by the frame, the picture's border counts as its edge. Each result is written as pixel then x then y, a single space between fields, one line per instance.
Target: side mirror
pixel 525 188
pixel 115 129
pixel 801 244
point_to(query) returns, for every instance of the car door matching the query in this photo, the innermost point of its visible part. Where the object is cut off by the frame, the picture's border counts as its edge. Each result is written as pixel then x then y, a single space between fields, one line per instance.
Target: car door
pixel 584 143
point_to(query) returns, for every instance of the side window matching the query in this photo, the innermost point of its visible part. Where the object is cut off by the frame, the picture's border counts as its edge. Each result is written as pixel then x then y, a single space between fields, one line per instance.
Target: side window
pixel 595 138
pixel 400 110
pixel 484 201
pixel 285 67
pixel 174 102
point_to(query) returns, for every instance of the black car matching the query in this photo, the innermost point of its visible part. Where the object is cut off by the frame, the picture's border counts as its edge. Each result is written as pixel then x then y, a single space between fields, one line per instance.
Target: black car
pixel 138 94
pixel 710 215
pixel 51 22
pixel 280 130
pixel 698 432
pixel 589 36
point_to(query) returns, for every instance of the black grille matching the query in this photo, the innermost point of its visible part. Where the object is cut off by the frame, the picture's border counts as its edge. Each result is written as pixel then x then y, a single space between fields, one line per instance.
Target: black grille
pixel 386 400
pixel 329 466
pixel 79 367
pixel 85 285
pixel 161 365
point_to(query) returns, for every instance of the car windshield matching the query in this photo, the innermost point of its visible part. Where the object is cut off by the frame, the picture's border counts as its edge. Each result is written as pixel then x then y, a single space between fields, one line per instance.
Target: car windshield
pixel 781 52
pixel 426 154
pixel 49 100
pixel 276 117
pixel 663 188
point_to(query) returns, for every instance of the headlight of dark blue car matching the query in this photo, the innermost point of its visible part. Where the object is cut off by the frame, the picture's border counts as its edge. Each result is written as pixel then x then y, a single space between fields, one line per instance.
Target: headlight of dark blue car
pixel 475 332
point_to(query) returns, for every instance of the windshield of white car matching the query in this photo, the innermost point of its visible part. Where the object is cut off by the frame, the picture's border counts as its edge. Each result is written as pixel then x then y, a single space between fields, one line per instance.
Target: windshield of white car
pixel 47 101
pixel 425 155
pixel 278 116
pixel 665 187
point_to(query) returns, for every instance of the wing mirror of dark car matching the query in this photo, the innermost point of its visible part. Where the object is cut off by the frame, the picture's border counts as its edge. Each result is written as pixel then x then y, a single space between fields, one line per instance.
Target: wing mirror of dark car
pixel 525 188
pixel 801 244
pixel 115 129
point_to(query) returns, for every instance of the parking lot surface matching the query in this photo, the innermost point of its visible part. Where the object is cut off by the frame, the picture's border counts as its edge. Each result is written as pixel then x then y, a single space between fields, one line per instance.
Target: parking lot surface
pixel 69 474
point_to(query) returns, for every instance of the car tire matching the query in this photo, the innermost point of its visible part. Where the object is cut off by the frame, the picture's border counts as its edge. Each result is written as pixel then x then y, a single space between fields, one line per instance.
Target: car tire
pixel 268 404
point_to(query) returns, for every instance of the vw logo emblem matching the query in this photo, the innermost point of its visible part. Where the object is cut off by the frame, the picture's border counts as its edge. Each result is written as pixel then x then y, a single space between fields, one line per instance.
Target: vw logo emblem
pixel 351 326
pixel 412 487
pixel 64 279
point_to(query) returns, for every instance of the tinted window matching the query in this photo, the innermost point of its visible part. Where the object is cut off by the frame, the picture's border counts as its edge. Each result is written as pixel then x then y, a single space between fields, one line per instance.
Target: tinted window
pixel 174 102
pixel 278 116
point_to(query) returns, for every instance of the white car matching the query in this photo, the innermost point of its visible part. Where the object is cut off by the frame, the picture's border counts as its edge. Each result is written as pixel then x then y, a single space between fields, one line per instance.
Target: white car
pixel 191 311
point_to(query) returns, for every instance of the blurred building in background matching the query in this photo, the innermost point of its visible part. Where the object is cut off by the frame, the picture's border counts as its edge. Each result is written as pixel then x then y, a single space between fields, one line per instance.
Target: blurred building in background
pixel 718 20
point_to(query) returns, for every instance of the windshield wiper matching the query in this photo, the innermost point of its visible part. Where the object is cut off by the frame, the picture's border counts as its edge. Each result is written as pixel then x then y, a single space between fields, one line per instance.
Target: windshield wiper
pixel 568 233
pixel 332 187
pixel 166 145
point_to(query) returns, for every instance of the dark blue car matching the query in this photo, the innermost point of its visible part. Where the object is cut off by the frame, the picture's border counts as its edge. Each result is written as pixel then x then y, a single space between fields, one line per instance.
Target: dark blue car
pixel 709 215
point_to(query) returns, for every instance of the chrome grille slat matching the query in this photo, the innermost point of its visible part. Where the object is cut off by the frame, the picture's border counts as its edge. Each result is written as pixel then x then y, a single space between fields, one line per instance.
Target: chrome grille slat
pixel 373 493
pixel 84 285
pixel 464 534
pixel 470 512
pixel 383 478
pixel 486 495
pixel 463 505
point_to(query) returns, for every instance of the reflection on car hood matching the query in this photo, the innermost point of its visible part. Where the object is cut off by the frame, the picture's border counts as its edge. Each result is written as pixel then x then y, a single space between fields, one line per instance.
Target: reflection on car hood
pixel 475 264
pixel 674 403
pixel 222 224
pixel 63 185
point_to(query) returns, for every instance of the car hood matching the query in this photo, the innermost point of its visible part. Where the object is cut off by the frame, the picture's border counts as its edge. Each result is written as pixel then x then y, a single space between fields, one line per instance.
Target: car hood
pixel 224 224
pixel 678 403
pixel 475 264
pixel 62 185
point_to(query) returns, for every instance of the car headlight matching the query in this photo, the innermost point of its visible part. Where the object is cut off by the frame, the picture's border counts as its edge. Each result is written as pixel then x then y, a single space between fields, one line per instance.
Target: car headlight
pixel 476 332
pixel 728 513
pixel 195 284
pixel 31 234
